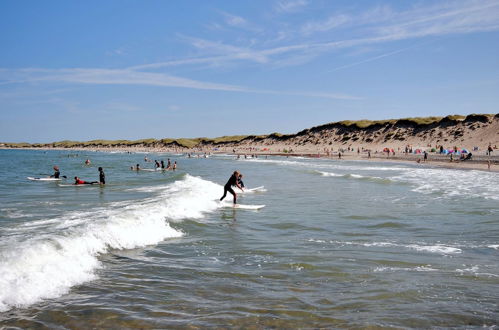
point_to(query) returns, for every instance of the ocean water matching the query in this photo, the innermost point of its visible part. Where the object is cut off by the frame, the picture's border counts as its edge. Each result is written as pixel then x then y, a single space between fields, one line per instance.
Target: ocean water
pixel 338 244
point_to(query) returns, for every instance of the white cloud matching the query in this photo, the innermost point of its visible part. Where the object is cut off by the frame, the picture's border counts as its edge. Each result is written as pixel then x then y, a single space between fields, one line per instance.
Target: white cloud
pixel 288 6
pixel 323 26
pixel 129 77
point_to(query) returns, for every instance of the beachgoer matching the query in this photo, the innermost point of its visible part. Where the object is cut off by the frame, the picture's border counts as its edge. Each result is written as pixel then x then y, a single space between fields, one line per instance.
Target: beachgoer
pixel 87 162
pixel 228 186
pixel 102 176
pixel 56 173
pixel 425 157
pixel 174 165
pixel 162 164
pixel 169 164
pixel 157 164
pixel 137 167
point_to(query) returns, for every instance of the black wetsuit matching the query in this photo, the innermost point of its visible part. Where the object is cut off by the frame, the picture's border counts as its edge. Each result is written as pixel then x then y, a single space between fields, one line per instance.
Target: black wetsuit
pixel 241 183
pixel 228 187
pixel 56 174
pixel 102 177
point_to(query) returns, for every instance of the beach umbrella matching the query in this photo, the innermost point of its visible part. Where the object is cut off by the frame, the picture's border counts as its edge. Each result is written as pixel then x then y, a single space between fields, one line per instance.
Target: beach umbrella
pixel 464 151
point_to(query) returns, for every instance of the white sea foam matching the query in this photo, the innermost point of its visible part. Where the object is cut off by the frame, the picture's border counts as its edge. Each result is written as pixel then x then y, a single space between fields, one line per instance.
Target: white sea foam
pixel 452 183
pixel 46 264
pixel 407 269
pixel 437 248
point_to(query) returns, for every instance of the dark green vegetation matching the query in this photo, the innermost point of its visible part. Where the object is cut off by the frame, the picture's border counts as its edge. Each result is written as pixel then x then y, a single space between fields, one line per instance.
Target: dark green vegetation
pixel 342 127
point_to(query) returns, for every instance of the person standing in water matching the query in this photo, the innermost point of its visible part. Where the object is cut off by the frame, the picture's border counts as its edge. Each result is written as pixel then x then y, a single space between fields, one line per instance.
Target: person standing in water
pixel 228 186
pixel 102 176
pixel 56 174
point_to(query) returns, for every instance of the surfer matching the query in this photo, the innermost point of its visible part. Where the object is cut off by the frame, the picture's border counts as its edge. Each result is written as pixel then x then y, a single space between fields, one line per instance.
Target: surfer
pixel 162 164
pixel 79 181
pixel 228 186
pixel 87 162
pixel 102 176
pixel 157 164
pixel 56 173
pixel 174 165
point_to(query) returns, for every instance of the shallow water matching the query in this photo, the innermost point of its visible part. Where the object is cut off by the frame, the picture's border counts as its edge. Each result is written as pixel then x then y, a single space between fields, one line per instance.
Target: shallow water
pixel 339 244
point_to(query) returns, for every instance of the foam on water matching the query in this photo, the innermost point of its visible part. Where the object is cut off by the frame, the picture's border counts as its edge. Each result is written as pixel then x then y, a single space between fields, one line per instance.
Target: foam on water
pixel 376 179
pixel 435 248
pixel 63 252
pixel 452 183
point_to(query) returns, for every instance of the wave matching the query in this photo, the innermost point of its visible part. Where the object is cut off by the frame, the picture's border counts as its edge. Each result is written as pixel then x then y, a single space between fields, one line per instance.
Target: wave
pixel 452 183
pixel 376 179
pixel 46 259
pixel 436 248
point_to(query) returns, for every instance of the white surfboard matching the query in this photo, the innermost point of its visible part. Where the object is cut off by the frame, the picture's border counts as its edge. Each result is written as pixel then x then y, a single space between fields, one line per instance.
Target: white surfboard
pixel 77 185
pixel 251 190
pixel 246 206
pixel 43 179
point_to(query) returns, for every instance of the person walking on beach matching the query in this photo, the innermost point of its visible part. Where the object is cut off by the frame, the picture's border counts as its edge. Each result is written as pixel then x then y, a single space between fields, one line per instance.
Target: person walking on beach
pixel 425 156
pixel 228 186
pixel 102 176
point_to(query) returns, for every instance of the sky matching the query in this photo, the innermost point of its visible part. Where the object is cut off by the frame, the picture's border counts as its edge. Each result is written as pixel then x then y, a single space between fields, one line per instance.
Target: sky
pixel 123 69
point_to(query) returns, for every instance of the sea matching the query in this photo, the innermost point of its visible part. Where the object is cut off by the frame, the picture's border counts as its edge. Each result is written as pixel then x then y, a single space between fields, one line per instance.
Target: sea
pixel 339 243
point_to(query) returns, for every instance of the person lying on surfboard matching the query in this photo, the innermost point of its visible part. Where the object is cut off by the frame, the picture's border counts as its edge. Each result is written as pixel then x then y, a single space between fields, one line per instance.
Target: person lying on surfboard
pixel 228 186
pixel 79 181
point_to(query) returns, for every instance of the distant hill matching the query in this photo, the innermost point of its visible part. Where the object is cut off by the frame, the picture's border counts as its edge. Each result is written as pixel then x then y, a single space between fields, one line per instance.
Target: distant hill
pixel 472 130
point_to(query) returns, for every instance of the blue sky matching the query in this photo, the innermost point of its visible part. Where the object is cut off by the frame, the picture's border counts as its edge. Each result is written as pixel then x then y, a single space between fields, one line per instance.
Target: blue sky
pixel 82 70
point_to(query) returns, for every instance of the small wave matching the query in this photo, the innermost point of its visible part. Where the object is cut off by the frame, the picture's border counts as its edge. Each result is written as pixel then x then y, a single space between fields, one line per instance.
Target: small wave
pixel 387 225
pixel 46 264
pixel 407 269
pixel 437 248
pixel 375 179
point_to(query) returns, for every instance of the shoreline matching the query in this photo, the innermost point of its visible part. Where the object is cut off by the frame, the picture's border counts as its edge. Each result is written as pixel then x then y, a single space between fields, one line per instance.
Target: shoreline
pixel 434 160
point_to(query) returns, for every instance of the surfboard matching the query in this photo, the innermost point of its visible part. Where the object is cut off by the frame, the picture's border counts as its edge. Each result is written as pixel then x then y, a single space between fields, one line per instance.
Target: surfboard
pixel 77 185
pixel 43 179
pixel 150 169
pixel 251 190
pixel 246 206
